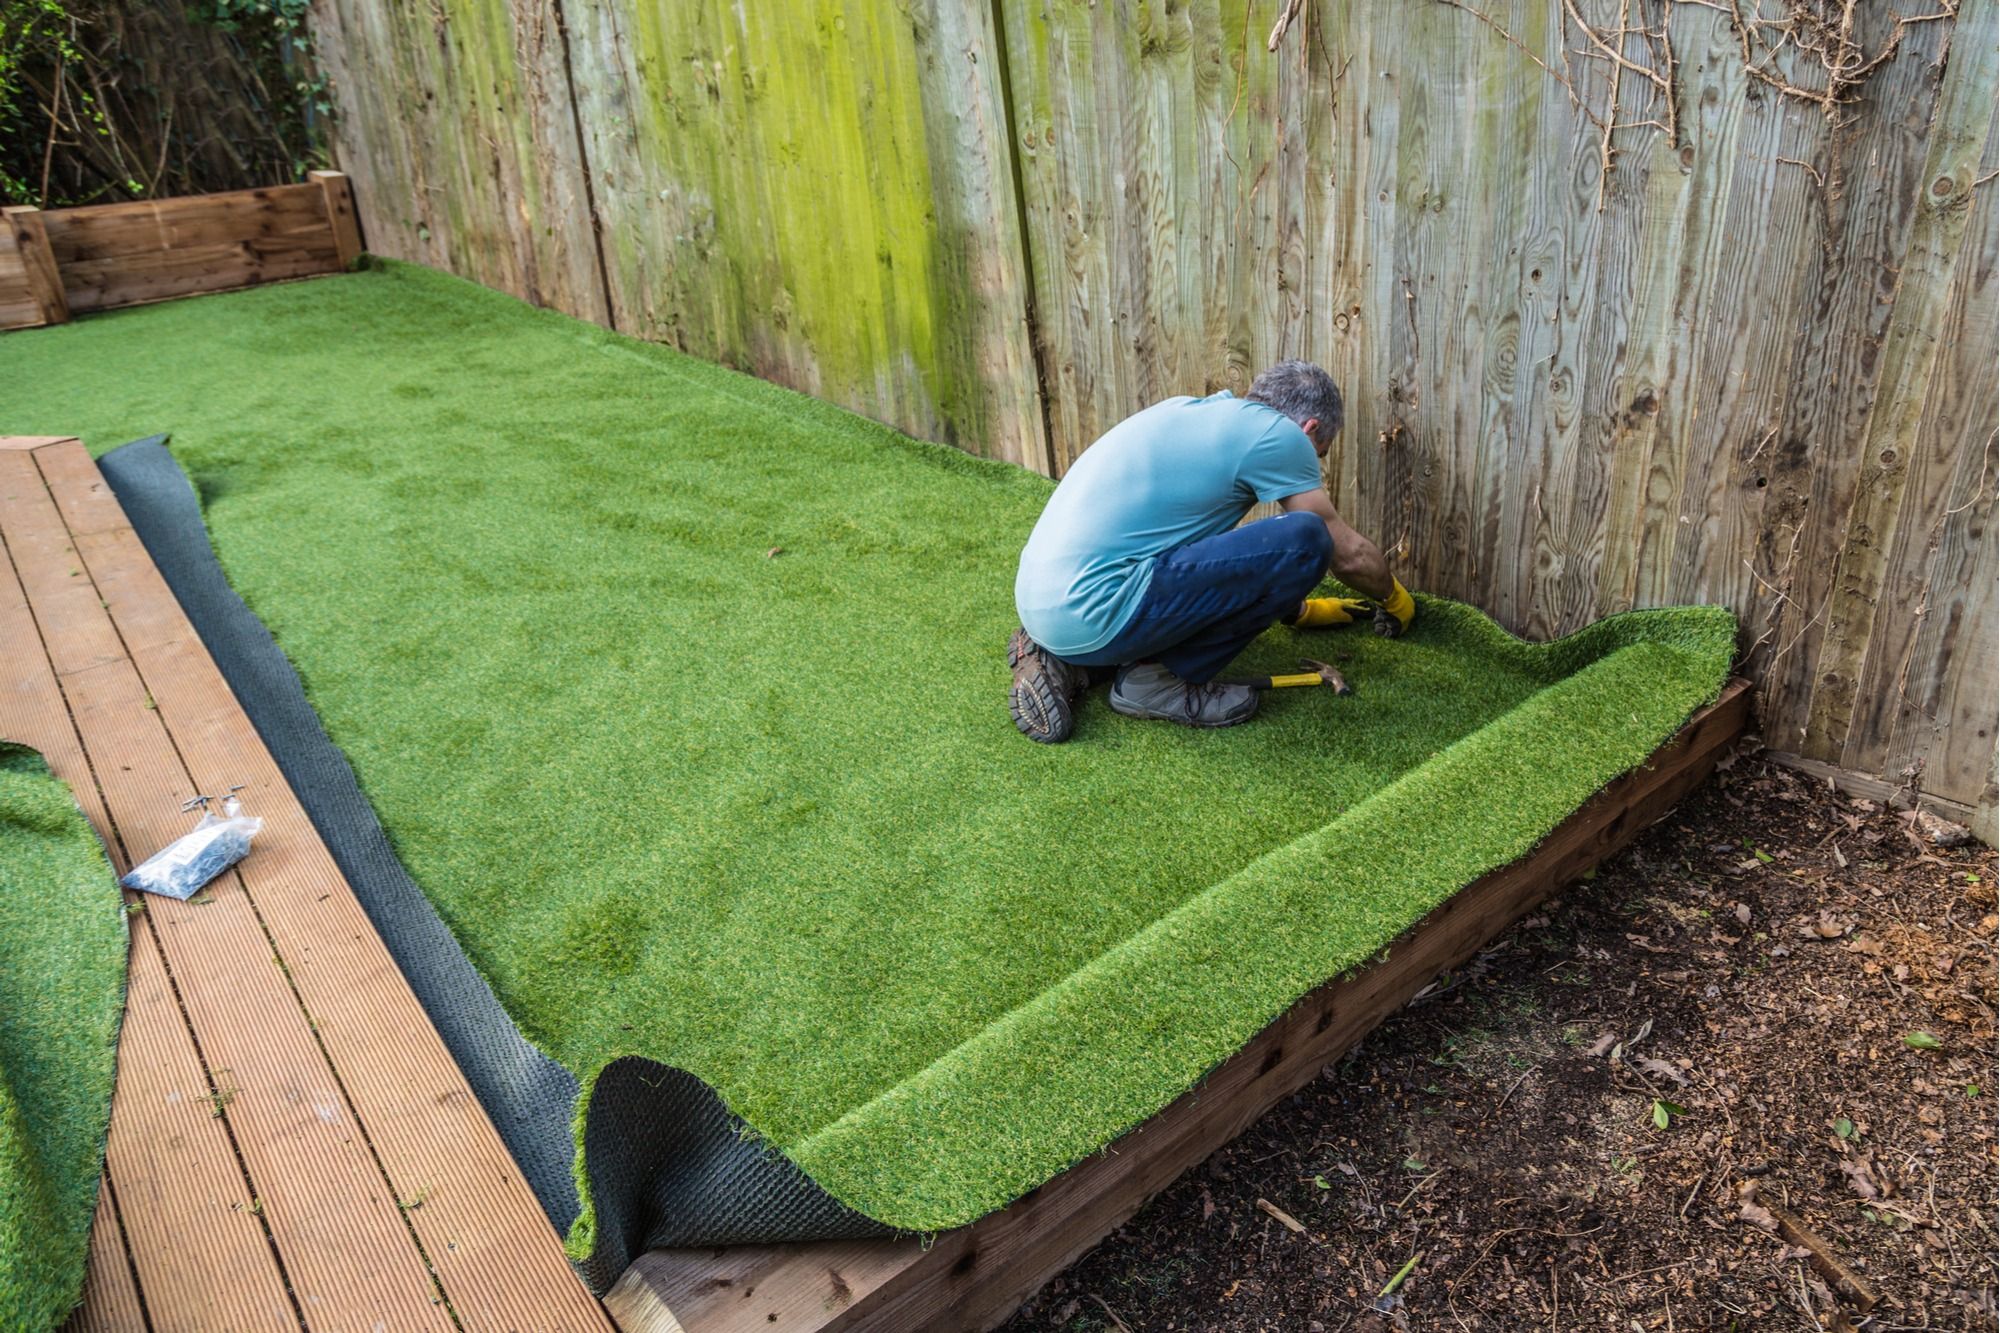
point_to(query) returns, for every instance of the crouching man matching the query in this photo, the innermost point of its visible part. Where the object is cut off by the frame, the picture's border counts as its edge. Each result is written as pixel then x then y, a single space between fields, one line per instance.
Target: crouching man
pixel 1138 565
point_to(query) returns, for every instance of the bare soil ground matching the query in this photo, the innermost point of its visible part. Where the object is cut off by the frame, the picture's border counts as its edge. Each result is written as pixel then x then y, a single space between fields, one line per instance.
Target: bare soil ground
pixel 1798 984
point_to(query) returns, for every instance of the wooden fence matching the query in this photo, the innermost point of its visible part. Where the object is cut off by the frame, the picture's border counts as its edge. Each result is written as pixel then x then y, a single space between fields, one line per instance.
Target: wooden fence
pixel 70 261
pixel 1635 301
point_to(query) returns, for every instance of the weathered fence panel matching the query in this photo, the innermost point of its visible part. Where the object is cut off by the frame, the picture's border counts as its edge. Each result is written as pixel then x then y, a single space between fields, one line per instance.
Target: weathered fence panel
pixel 1750 363
pixel 455 120
pixel 1625 316
pixel 818 192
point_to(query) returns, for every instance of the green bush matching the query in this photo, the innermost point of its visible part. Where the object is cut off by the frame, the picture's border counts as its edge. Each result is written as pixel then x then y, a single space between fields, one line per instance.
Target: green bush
pixel 103 100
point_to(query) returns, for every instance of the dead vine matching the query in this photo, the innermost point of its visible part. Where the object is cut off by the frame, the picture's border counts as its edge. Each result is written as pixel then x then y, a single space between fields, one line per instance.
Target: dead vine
pixel 1832 63
pixel 1829 61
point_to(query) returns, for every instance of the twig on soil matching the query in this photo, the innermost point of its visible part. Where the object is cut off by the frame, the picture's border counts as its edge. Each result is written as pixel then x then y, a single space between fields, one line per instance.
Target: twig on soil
pixel 1509 1093
pixel 1291 1223
pixel 1419 1185
pixel 1499 1236
pixel 1691 1193
pixel 1401 1273
pixel 1112 1315
pixel 1844 1279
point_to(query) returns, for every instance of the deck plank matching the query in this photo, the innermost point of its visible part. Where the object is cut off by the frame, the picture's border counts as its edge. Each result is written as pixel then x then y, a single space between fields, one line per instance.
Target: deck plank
pixel 189 1214
pixel 110 1296
pixel 494 1252
pixel 179 1169
pixel 349 1257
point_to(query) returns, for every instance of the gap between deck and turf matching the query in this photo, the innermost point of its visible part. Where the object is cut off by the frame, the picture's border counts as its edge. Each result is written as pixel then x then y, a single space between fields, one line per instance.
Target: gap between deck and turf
pixel 291 1144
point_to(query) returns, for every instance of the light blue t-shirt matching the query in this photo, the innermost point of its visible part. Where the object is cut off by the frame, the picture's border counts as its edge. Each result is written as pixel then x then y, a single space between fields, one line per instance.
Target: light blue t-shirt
pixel 1179 471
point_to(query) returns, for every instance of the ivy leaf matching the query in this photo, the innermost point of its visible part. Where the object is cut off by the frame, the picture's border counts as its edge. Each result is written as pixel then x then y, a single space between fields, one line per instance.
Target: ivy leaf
pixel 1922 1041
pixel 1664 1112
pixel 1844 1127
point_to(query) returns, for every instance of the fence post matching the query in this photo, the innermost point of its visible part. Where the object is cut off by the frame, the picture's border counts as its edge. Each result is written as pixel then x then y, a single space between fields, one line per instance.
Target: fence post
pixel 38 261
pixel 339 199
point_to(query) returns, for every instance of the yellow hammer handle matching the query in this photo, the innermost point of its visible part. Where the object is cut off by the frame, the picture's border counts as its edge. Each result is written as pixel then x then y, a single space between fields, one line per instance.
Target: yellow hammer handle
pixel 1304 678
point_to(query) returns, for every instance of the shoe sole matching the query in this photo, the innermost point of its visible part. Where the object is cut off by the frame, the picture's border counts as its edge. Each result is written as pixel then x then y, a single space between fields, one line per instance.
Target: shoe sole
pixel 1130 710
pixel 1040 698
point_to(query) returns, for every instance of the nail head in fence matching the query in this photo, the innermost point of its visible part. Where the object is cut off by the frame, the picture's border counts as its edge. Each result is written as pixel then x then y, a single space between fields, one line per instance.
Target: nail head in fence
pixel 38 261
pixel 340 214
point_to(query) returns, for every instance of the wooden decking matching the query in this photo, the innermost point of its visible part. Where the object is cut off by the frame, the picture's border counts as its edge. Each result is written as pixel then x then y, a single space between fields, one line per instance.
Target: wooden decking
pixel 291 1145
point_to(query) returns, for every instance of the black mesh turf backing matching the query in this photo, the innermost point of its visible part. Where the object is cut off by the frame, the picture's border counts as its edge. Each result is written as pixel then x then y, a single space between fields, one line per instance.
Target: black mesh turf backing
pixel 668 1164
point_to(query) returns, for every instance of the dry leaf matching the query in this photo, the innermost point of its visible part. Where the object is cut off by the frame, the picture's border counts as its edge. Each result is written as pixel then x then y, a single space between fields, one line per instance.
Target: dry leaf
pixel 1661 1069
pixel 1757 1215
pixel 1860 1177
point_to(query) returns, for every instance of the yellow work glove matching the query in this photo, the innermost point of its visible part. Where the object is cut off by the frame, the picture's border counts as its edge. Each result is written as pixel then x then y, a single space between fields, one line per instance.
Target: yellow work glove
pixel 1326 612
pixel 1396 613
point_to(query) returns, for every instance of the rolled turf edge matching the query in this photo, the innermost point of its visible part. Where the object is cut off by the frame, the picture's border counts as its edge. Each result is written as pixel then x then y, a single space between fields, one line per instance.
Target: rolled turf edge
pixel 63 944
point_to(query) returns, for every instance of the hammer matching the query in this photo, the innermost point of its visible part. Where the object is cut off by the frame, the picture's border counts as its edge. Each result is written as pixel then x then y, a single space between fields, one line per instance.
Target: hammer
pixel 1316 673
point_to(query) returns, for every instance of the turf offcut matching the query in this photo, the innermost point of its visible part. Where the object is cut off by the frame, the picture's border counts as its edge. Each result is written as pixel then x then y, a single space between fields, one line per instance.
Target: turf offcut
pixel 683 697
pixel 62 992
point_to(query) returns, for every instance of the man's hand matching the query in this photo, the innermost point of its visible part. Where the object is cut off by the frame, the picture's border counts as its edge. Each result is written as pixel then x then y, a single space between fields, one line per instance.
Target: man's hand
pixel 1326 612
pixel 1394 615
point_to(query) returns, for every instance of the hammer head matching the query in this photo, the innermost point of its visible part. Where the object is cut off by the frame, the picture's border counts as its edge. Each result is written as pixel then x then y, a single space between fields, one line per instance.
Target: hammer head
pixel 1328 673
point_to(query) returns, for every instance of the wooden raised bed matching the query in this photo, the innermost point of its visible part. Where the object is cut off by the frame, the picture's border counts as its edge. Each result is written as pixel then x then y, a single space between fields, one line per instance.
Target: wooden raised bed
pixel 974 1277
pixel 69 261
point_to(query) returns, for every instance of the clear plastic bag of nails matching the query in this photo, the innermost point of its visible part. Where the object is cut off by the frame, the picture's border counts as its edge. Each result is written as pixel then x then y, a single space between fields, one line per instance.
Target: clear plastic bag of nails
pixel 214 844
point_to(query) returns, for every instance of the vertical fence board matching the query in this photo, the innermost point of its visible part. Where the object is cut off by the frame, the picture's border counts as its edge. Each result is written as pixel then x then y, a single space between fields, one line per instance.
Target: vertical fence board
pixel 1891 446
pixel 1928 677
pixel 1837 362
pixel 454 120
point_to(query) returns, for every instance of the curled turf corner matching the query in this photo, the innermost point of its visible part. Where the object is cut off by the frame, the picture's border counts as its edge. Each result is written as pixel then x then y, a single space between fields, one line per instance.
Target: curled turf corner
pixel 661 1161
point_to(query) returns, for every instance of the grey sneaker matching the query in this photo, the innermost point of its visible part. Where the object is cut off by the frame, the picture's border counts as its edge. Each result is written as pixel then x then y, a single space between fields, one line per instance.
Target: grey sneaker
pixel 1150 690
pixel 1045 690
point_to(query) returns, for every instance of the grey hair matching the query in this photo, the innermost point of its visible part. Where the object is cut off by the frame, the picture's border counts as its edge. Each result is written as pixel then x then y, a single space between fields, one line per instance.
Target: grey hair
pixel 1302 391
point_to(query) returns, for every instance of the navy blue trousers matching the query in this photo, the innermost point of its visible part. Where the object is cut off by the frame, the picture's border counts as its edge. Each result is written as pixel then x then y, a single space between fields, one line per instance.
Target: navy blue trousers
pixel 1209 599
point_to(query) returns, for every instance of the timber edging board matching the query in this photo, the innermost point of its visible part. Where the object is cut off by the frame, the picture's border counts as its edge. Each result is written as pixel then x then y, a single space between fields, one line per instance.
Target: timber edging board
pixel 69 261
pixel 291 1144
pixel 974 1277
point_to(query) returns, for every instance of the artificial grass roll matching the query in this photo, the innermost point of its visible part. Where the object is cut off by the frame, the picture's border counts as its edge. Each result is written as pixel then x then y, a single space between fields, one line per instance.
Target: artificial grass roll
pixel 62 993
pixel 683 698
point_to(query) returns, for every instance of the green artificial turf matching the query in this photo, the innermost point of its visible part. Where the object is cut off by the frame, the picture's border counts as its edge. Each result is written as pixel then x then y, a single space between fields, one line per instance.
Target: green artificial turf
pixel 62 992
pixel 683 697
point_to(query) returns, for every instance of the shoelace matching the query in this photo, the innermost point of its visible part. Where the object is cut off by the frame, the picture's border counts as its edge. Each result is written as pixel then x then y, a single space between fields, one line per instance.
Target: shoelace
pixel 1197 696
